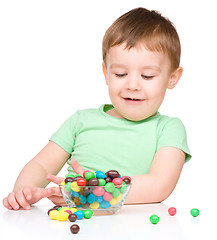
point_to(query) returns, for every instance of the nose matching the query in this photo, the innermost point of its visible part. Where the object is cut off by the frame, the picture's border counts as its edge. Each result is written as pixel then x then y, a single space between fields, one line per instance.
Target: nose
pixel 133 83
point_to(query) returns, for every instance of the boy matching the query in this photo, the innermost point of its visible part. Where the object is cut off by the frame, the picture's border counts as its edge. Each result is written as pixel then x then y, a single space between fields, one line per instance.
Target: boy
pixel 141 55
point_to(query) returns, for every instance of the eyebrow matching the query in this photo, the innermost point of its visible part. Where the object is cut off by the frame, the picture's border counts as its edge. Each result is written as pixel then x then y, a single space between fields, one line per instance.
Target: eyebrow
pixel 116 65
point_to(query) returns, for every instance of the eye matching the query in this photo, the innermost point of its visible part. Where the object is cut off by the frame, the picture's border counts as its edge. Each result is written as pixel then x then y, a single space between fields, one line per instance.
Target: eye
pixel 120 75
pixel 147 77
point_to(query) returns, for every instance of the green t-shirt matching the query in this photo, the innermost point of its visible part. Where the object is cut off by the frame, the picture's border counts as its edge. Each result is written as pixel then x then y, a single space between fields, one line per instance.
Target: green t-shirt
pixel 99 141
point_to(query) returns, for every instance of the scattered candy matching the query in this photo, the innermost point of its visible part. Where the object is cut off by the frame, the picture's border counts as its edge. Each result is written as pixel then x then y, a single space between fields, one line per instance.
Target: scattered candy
pixel 154 219
pixel 195 212
pixel 71 214
pixel 72 217
pixel 172 211
pixel 74 228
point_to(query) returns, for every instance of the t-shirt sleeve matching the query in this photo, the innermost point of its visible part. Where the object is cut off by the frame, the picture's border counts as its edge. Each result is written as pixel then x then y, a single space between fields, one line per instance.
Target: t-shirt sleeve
pixel 65 135
pixel 173 134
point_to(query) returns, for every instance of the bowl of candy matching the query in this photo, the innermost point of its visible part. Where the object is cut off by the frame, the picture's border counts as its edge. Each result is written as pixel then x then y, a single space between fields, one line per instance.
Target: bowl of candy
pixel 103 193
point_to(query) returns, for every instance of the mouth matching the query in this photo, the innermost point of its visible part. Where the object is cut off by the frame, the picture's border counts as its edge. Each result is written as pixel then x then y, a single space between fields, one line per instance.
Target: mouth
pixel 136 100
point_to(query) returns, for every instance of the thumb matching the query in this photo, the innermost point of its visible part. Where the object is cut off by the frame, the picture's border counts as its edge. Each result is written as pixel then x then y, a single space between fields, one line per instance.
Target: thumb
pixel 77 167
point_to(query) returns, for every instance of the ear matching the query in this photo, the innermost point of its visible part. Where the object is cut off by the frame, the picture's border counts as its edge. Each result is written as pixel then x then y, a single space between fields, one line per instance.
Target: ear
pixel 174 78
pixel 105 72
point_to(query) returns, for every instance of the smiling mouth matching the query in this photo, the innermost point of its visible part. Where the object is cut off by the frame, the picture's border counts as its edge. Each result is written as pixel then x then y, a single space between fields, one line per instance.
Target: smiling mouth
pixel 134 99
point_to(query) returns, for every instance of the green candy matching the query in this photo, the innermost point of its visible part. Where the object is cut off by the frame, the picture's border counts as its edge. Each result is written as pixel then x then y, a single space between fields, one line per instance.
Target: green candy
pixel 116 192
pixel 68 187
pixel 88 213
pixel 154 219
pixel 123 188
pixel 89 175
pixel 195 212
pixel 102 182
pixel 110 187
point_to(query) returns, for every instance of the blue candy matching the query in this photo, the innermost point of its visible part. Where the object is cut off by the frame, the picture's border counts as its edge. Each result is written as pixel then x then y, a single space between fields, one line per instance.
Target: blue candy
pixel 105 204
pixel 99 199
pixel 75 194
pixel 79 214
pixel 100 174
pixel 91 198
pixel 82 199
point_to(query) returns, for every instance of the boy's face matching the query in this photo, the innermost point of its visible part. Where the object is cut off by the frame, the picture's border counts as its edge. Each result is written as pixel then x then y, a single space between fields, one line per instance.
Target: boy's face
pixel 137 80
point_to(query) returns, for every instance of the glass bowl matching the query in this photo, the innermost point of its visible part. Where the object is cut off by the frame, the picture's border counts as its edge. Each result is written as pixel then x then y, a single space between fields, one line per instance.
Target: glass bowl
pixel 102 200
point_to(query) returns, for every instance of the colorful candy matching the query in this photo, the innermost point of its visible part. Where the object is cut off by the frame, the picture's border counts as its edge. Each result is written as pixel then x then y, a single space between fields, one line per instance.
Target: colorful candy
pixel 95 190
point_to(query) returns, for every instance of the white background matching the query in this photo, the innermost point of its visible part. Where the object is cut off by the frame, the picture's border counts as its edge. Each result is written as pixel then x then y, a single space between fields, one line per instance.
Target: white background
pixel 50 66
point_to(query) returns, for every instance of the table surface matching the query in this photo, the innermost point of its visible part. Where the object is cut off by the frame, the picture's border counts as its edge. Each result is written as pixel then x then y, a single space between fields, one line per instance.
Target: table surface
pixel 131 222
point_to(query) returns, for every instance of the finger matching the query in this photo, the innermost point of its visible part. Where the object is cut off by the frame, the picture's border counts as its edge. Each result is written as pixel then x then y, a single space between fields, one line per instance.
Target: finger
pixel 12 201
pixel 21 199
pixel 77 167
pixel 57 200
pixel 54 179
pixel 6 204
pixel 27 193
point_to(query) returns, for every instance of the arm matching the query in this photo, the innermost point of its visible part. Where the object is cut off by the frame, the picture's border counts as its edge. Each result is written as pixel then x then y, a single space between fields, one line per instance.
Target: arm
pixel 32 178
pixel 161 180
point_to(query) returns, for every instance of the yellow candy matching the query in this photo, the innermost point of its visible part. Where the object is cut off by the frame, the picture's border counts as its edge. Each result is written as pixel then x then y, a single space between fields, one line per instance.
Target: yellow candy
pixel 53 214
pixel 118 198
pixel 114 201
pixel 62 183
pixel 94 205
pixel 63 209
pixel 75 187
pixel 62 216
pixel 73 210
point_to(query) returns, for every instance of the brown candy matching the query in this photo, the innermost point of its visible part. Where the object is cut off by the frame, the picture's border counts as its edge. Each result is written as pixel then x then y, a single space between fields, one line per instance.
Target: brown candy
pixel 93 182
pixel 69 179
pixel 108 179
pixel 74 228
pixel 72 217
pixel 126 180
pixel 113 174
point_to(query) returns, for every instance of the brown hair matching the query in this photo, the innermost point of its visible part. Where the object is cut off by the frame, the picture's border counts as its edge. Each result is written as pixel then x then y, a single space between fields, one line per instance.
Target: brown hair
pixel 150 28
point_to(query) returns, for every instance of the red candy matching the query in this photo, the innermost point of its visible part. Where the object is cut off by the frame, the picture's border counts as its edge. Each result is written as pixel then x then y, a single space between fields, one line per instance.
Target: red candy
pixel 107 196
pixel 172 211
pixel 81 182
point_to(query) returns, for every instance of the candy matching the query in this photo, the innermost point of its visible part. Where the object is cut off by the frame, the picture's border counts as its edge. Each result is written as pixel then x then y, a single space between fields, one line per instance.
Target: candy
pixel 62 216
pixel 89 175
pixel 91 198
pixel 117 182
pixel 107 196
pixel 81 182
pixel 95 205
pixel 79 214
pixel 109 187
pixel 105 204
pixel 75 187
pixel 195 212
pixel 100 174
pixel 88 213
pixel 172 211
pixel 112 174
pixel 98 191
pixel 72 217
pixel 74 228
pixel 68 186
pixel 93 182
pixel 53 214
pixel 126 179
pixel 154 219
pixel 69 179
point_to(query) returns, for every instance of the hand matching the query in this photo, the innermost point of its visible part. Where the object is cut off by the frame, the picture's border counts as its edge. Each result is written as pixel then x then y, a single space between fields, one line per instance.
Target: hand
pixel 25 197
pixel 77 167
pixel 56 197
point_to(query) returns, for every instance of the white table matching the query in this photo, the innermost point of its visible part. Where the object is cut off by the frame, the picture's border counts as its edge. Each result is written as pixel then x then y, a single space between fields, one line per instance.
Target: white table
pixel 132 222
